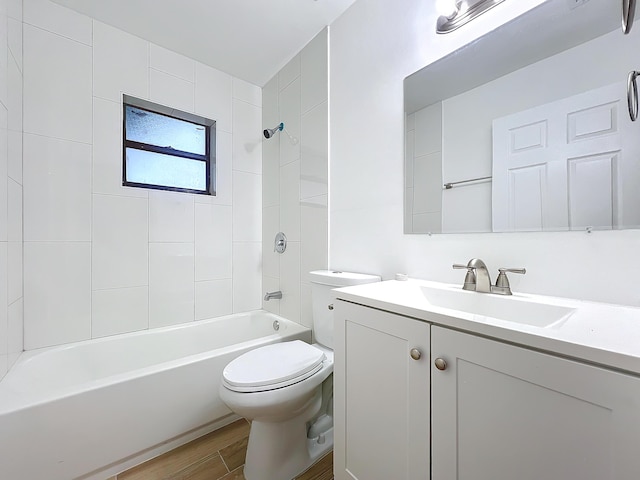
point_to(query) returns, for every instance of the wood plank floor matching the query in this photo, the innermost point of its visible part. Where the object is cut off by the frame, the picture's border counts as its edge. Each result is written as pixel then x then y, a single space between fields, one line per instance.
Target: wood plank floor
pixel 218 455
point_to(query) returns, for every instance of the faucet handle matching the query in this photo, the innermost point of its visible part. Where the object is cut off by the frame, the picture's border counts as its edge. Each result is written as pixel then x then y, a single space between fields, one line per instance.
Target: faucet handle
pixel 502 286
pixel 470 277
pixel 513 270
pixel 460 266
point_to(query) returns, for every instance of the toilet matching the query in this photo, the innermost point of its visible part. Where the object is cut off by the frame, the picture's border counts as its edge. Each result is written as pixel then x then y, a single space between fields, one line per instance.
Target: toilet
pixel 286 390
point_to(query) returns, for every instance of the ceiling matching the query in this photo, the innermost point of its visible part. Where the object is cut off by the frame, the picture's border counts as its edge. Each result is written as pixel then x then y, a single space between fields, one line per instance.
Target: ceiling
pixel 249 39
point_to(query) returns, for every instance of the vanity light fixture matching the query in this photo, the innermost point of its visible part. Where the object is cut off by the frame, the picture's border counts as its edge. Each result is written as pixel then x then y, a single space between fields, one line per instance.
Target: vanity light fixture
pixel 456 13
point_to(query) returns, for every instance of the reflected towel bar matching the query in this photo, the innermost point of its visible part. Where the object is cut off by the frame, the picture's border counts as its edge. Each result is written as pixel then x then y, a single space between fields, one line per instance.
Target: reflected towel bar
pixel 632 95
pixel 449 185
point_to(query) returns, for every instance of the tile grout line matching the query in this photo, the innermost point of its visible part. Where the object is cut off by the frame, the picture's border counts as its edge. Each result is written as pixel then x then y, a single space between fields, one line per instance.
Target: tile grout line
pixel 223 462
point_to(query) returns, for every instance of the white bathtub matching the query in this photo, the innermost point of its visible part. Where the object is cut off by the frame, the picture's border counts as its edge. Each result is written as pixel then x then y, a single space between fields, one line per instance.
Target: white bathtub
pixel 83 410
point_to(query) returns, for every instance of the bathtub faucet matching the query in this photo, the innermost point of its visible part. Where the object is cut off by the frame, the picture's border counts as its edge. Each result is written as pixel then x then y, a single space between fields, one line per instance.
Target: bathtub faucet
pixel 269 295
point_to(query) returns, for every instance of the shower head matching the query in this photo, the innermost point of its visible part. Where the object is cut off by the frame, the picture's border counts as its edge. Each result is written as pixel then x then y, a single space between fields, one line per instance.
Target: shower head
pixel 270 132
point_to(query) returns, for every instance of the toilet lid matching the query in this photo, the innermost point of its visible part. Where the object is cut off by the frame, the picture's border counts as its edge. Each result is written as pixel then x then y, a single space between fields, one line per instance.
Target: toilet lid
pixel 273 366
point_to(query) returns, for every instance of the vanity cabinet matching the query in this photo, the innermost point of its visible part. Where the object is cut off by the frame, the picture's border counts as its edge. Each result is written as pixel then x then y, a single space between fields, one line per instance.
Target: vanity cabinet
pixel 505 412
pixel 493 411
pixel 381 395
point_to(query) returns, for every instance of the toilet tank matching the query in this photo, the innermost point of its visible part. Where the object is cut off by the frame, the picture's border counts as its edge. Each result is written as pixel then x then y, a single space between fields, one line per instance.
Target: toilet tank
pixel 322 282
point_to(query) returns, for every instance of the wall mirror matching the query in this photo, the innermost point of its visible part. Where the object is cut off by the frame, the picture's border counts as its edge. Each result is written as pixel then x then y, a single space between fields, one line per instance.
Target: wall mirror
pixel 527 128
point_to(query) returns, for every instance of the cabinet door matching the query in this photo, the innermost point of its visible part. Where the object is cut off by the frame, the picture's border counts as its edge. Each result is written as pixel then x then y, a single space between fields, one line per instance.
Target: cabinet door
pixel 381 395
pixel 501 412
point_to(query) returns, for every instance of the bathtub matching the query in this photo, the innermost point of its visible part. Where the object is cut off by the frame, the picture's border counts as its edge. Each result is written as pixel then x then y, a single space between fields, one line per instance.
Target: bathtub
pixel 93 408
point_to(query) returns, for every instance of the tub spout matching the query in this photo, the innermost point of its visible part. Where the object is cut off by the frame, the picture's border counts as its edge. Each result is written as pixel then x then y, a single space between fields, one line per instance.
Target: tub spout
pixel 269 295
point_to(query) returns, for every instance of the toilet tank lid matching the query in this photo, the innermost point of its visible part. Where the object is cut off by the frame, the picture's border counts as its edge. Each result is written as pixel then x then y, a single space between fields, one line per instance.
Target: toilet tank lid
pixel 338 278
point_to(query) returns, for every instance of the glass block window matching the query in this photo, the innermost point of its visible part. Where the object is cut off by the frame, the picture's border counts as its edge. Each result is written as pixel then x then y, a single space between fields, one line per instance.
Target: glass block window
pixel 167 149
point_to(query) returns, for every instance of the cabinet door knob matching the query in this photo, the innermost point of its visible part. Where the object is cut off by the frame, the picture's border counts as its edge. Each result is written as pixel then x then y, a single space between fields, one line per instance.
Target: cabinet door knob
pixel 440 364
pixel 415 354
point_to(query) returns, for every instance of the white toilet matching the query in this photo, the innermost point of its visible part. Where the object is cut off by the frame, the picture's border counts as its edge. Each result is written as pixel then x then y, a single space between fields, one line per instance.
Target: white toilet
pixel 282 389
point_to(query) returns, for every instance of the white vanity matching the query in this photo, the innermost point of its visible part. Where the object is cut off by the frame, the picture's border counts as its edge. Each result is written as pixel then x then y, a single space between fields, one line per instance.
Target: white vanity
pixel 434 382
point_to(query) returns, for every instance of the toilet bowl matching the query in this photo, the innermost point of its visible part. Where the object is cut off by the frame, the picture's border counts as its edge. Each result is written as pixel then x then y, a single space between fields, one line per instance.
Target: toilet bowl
pixel 286 389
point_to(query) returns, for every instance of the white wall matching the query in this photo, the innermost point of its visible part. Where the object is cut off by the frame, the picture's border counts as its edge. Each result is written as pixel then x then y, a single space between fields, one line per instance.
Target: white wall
pixel 100 258
pixel 11 298
pixel 373 46
pixel 295 177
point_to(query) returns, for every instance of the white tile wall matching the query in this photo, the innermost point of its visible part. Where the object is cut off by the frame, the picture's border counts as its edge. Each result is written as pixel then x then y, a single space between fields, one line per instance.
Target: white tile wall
pixel 4 186
pixel 119 310
pixel 14 214
pixel 172 91
pixel 314 78
pixel 14 79
pixel 295 179
pixel 290 200
pixel 11 236
pixel 4 58
pixel 213 96
pixel 122 259
pixel 4 321
pixel 14 9
pixel 57 293
pixel 306 310
pixel 171 217
pixel 15 330
pixel 14 29
pixel 271 169
pixel 270 227
pixel 172 63
pixel 289 72
pixel 314 238
pixel 57 177
pixel 271 146
pixel 63 108
pixel 290 282
pixel 314 175
pixel 14 273
pixel 120 242
pixel 60 20
pixel 247 92
pixel 14 153
pixel 247 281
pixel 247 207
pixel 247 137
pixel 214 298
pixel 171 285
pixel 4 363
pixel 290 115
pixel 115 73
pixel 213 242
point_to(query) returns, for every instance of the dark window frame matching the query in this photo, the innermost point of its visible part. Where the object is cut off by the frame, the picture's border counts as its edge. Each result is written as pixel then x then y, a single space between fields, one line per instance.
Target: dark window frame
pixel 209 157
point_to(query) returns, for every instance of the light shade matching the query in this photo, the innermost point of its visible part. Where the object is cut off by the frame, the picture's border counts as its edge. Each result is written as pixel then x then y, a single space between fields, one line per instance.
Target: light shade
pixel 447 8
pixel 467 10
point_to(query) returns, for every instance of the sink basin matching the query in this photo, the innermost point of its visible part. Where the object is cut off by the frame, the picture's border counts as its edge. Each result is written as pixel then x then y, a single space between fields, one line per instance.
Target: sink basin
pixel 508 308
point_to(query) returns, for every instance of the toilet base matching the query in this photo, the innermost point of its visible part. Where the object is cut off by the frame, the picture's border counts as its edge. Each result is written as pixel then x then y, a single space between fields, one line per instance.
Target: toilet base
pixel 318 447
pixel 265 467
pixel 281 450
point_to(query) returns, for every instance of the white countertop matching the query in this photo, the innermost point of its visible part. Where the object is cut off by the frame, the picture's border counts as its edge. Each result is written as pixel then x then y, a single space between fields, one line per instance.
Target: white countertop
pixel 600 333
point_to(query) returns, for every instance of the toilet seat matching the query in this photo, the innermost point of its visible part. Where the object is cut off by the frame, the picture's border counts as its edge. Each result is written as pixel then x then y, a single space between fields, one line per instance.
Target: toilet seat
pixel 273 366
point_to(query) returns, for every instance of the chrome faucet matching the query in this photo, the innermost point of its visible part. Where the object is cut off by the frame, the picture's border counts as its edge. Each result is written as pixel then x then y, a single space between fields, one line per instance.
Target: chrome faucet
pixel 479 280
pixel 269 295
